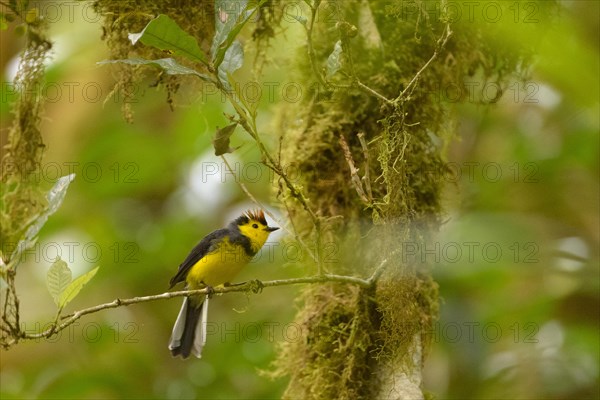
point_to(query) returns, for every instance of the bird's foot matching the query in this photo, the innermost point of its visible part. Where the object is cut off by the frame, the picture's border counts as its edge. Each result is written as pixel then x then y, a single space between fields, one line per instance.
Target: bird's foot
pixel 209 291
pixel 256 286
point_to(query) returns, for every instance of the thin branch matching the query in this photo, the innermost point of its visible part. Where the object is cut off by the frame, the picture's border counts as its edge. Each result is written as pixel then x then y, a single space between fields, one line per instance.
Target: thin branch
pixel 254 286
pixel 381 268
pixel 311 50
pixel 366 177
pixel 374 93
pixel 297 237
pixel 245 189
pixel 344 27
pixel 249 126
pixel 354 178
pixel 441 43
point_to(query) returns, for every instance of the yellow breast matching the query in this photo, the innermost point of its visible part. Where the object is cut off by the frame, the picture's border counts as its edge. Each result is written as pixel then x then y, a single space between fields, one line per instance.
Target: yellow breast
pixel 218 267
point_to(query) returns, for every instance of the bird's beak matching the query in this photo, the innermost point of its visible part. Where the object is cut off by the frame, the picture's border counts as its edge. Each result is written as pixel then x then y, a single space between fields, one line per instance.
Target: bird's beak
pixel 271 228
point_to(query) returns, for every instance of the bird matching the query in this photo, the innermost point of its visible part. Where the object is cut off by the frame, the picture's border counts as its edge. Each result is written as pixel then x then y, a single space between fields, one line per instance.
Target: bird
pixel 215 261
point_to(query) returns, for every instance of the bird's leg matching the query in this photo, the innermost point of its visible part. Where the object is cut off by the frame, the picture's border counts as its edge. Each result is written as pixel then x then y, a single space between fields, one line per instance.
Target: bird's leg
pixel 257 286
pixel 209 290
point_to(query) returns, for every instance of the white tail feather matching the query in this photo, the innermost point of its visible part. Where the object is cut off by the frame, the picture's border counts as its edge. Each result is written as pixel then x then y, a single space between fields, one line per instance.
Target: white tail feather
pixel 179 326
pixel 200 336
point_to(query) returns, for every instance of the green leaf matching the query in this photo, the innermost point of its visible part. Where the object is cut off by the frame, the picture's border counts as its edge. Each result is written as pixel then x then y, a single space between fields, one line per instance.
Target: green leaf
pixel 230 18
pixel 334 61
pixel 58 278
pixel 164 34
pixel 233 60
pixel 75 287
pixel 169 65
pixel 221 140
pixel 227 14
pixel 55 197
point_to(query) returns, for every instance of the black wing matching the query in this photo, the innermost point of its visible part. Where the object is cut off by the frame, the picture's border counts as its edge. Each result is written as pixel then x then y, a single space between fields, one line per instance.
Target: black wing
pixel 205 246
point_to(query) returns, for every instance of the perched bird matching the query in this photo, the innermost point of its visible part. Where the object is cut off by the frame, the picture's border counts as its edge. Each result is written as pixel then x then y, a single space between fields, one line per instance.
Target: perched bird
pixel 215 261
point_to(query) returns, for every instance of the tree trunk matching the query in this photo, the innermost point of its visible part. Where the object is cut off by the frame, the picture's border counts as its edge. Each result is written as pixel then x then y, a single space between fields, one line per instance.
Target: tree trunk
pixel 365 343
pixel 369 145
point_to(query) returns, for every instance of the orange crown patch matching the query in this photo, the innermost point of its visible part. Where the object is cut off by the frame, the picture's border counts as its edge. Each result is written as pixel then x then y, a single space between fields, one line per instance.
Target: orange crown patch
pixel 257 215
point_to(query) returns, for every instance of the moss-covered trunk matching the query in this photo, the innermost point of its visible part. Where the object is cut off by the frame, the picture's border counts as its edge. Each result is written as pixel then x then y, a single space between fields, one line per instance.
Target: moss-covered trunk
pixel 366 343
pixel 381 114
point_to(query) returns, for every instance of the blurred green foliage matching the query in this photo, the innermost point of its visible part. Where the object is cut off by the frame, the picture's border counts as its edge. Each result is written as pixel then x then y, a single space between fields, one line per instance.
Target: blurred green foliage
pixel 522 324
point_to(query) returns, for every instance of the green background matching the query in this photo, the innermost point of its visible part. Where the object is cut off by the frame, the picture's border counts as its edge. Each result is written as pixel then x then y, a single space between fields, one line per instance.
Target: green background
pixel 522 323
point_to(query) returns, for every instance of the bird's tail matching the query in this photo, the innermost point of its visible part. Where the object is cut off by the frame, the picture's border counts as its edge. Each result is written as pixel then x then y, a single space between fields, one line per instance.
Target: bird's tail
pixel 189 331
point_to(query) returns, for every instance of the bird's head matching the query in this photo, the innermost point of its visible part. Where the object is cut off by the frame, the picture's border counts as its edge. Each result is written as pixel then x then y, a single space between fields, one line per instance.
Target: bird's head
pixel 253 225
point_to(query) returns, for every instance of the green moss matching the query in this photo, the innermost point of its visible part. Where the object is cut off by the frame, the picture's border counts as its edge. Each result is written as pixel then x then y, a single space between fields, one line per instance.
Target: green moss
pixel 332 359
pixel 121 17
pixel 197 18
pixel 21 199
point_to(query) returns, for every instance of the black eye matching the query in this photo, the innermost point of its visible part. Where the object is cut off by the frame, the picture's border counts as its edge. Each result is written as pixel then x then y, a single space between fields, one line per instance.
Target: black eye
pixel 254 226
